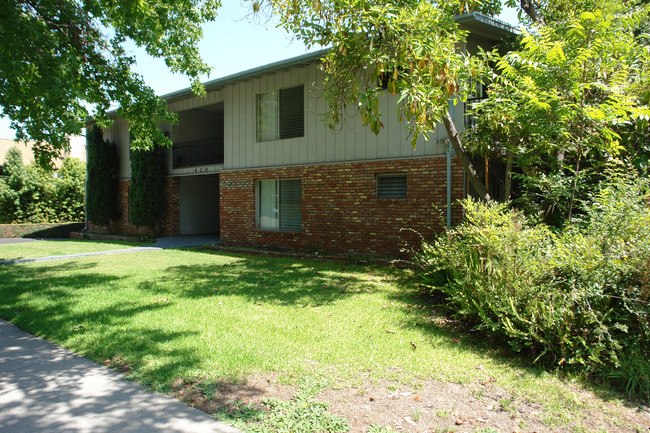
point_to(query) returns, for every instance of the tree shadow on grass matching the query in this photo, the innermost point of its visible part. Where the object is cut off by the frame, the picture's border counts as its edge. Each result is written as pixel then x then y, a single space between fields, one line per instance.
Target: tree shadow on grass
pixel 293 282
pixel 303 282
pixel 263 279
pixel 43 300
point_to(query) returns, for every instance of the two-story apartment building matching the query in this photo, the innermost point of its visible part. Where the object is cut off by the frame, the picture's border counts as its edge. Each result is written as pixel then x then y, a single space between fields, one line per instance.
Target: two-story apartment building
pixel 254 161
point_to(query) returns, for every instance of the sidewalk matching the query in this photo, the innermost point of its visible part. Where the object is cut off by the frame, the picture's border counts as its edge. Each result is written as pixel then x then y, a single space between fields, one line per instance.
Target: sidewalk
pixel 161 244
pixel 45 388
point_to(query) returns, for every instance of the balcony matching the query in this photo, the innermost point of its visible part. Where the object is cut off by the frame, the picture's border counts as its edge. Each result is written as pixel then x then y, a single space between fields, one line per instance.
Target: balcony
pixel 204 151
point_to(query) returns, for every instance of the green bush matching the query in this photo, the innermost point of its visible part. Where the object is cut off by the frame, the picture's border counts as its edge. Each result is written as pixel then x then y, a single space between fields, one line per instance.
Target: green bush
pixel 147 191
pixel 31 194
pixel 576 298
pixel 19 192
pixel 70 190
pixel 103 164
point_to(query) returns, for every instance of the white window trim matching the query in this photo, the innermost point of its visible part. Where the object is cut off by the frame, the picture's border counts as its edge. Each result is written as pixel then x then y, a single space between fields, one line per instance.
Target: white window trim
pixel 276 118
pixel 277 205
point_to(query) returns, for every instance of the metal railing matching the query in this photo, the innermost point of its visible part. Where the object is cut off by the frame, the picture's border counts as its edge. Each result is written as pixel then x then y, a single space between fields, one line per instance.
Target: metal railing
pixel 197 152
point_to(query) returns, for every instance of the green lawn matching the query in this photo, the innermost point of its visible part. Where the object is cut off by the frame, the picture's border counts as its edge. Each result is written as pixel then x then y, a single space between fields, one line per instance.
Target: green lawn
pixel 212 315
pixel 57 248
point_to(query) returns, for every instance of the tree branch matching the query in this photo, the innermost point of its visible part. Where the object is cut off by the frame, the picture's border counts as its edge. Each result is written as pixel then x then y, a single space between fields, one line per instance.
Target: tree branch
pixel 463 158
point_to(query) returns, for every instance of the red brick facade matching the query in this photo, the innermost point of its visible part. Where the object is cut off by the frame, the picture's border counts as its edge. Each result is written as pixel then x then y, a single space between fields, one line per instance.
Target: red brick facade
pixel 169 226
pixel 341 213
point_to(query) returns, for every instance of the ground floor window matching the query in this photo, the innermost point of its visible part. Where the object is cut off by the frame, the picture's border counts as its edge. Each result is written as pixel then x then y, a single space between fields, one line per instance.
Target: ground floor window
pixel 279 204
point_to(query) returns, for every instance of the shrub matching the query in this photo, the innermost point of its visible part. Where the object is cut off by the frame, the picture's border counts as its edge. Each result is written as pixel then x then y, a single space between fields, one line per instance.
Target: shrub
pixel 19 192
pixel 102 188
pixel 70 190
pixel 31 194
pixel 147 190
pixel 575 298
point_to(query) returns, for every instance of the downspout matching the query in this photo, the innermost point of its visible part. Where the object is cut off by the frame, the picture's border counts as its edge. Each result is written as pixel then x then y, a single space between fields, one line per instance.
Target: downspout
pixel 86 191
pixel 450 151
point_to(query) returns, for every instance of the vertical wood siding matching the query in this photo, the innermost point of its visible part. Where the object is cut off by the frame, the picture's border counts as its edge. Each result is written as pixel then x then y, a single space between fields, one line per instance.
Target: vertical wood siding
pixel 350 141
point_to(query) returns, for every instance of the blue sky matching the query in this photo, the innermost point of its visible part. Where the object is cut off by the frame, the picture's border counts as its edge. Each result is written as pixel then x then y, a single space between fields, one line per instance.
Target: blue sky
pixel 231 44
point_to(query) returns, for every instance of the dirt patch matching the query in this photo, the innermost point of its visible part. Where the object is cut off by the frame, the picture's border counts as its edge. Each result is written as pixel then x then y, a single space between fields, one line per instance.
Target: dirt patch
pixel 209 396
pixel 118 363
pixel 430 407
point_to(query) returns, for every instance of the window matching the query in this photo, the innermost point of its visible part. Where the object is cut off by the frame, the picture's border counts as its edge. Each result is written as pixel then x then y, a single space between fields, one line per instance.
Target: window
pixel 477 95
pixel 281 114
pixel 279 205
pixel 391 186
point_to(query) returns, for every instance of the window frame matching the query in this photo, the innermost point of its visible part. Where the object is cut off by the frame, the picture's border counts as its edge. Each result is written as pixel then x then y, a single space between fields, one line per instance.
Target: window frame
pixel 378 191
pixel 277 205
pixel 279 113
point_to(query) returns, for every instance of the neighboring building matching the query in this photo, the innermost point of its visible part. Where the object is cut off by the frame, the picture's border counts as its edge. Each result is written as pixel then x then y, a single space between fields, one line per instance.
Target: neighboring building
pixel 25 149
pixel 78 147
pixel 255 162
pixel 77 150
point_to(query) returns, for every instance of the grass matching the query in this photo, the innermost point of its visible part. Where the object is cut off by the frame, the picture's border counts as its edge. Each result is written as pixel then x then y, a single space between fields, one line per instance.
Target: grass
pixel 192 314
pixel 60 247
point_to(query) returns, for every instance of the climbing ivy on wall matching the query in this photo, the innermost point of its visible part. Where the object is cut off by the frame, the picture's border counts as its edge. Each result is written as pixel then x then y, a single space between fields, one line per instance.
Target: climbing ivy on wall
pixel 147 190
pixel 102 185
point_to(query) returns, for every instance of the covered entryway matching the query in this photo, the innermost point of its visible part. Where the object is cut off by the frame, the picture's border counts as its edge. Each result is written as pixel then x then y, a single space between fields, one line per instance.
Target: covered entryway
pixel 199 204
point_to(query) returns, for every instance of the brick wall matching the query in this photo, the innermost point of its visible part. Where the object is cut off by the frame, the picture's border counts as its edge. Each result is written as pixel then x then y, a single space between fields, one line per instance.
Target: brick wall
pixel 340 211
pixel 168 226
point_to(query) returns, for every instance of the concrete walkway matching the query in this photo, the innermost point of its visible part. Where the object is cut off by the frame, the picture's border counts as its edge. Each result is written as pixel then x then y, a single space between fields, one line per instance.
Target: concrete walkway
pixel 17 240
pixel 161 244
pixel 45 388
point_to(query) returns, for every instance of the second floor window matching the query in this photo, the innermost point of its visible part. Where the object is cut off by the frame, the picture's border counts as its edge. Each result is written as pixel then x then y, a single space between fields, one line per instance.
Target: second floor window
pixel 281 114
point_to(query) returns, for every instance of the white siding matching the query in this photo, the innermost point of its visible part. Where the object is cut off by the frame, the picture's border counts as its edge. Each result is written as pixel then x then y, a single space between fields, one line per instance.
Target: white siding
pixel 351 141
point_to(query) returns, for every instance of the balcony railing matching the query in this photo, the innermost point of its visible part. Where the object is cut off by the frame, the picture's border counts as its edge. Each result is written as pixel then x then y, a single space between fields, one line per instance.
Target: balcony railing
pixel 197 152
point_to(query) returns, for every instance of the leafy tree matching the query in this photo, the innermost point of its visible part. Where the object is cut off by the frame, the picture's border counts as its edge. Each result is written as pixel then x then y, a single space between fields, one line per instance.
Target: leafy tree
pixel 102 187
pixel 147 190
pixel 410 48
pixel 557 103
pixel 65 59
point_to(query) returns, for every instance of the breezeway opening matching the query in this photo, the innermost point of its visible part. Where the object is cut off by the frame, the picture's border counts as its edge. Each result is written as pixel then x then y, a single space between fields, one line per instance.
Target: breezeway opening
pixel 199 204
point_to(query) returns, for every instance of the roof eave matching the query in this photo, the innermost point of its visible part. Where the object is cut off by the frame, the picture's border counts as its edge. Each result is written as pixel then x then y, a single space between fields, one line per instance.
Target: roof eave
pixel 484 25
pixel 304 59
pixel 473 21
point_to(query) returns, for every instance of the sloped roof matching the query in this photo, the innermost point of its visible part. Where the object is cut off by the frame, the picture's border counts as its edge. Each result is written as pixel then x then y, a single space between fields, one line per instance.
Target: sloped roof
pixel 481 25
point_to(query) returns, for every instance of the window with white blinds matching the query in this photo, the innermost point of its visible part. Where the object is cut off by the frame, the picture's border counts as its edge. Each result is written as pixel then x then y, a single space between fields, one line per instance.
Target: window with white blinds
pixel 279 205
pixel 391 185
pixel 281 114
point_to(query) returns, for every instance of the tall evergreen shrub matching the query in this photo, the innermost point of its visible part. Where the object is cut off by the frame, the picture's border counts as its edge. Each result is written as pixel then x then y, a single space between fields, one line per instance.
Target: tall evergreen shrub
pixel 147 191
pixel 102 187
